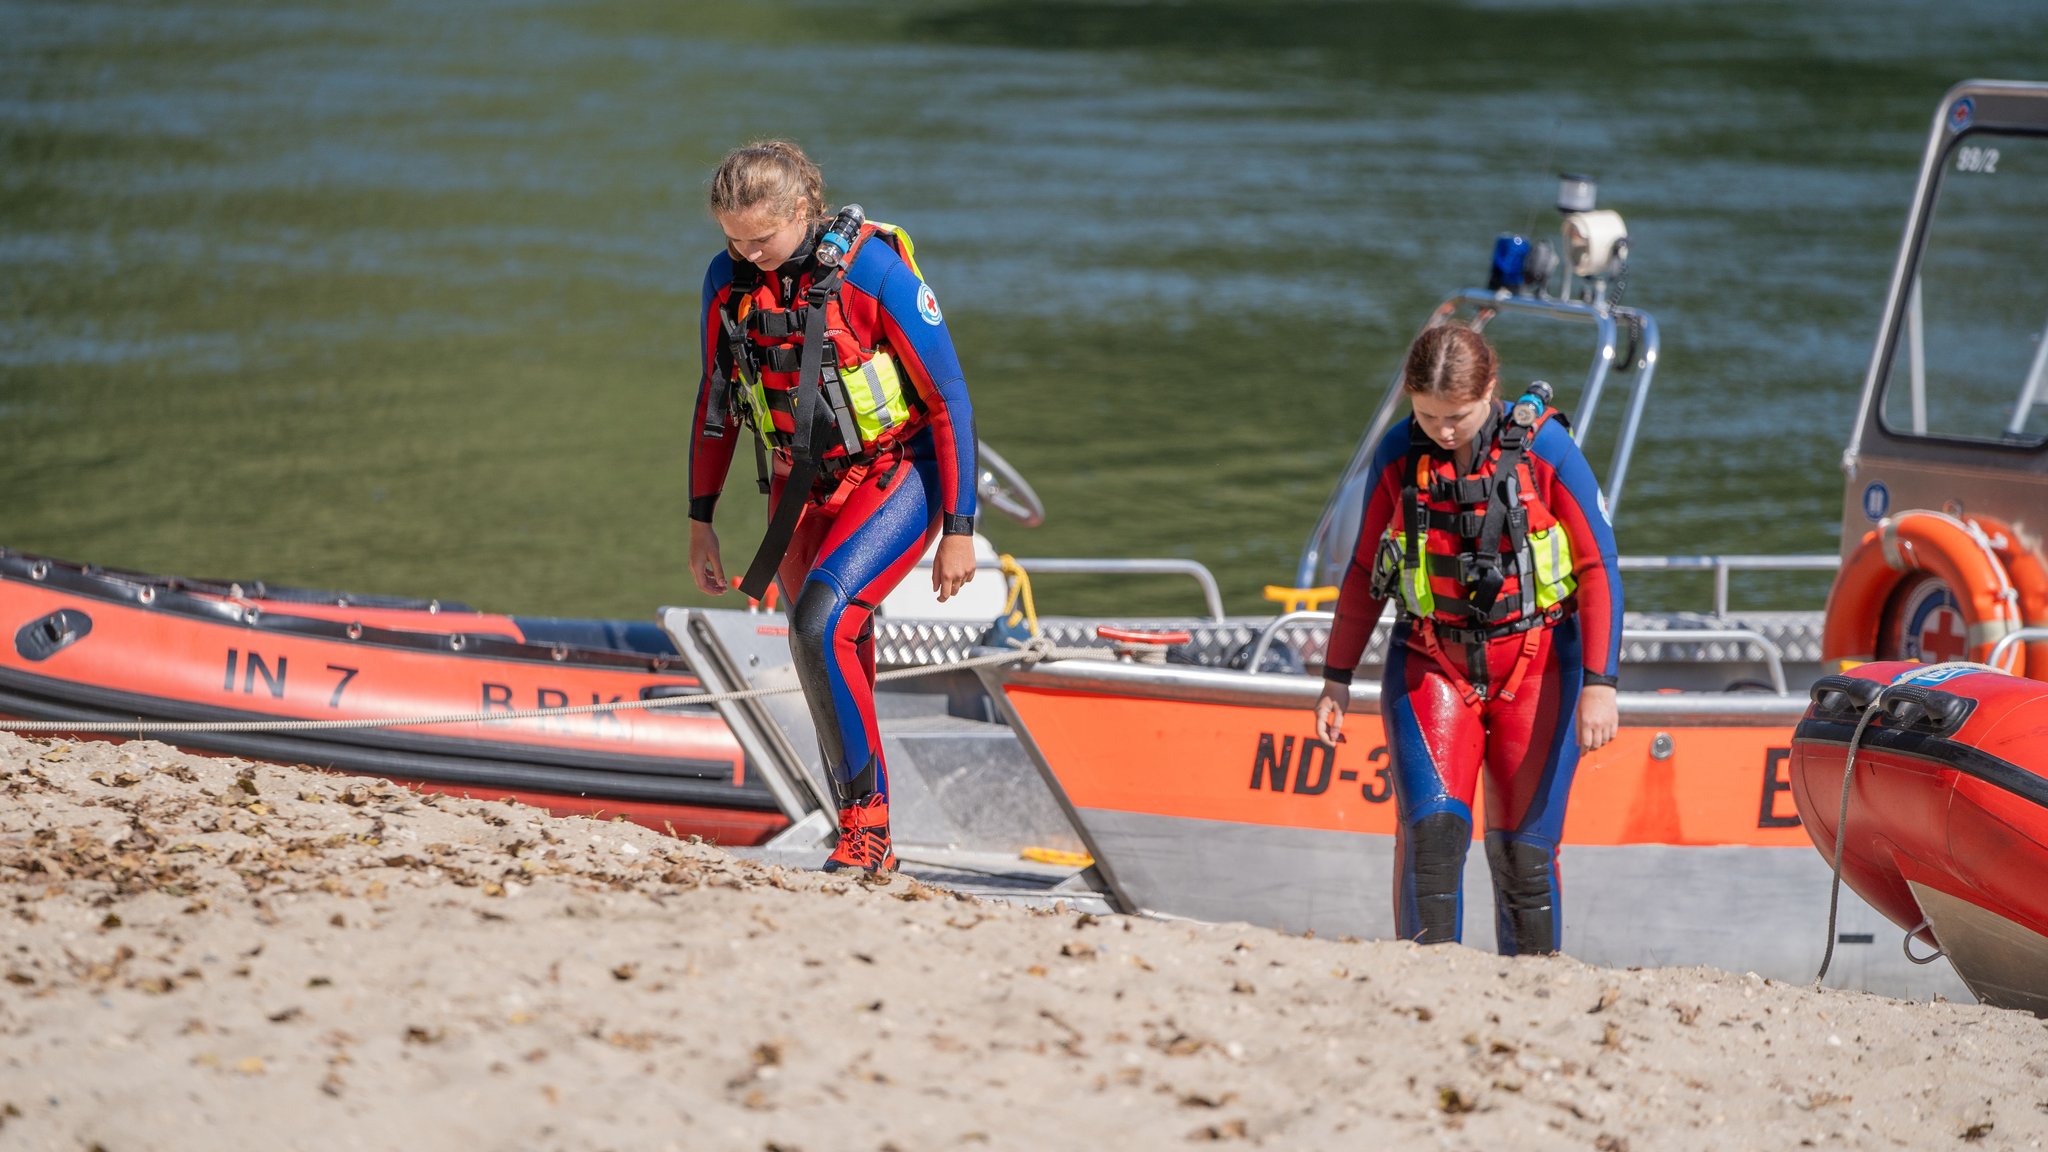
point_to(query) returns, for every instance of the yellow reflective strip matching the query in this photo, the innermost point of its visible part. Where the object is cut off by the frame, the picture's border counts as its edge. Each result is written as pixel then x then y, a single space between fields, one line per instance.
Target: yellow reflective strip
pixel 903 245
pixel 1551 550
pixel 875 390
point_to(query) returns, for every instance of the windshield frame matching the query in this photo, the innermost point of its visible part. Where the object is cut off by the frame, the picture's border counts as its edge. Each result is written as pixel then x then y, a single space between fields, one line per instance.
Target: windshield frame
pixel 1972 108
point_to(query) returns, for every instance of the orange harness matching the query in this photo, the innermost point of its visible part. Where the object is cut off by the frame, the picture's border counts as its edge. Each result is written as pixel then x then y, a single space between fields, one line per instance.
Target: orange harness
pixel 1477 691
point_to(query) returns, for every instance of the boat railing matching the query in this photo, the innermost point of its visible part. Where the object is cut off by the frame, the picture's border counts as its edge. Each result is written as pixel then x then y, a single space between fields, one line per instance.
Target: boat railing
pixel 1723 566
pixel 1104 566
pixel 2011 640
pixel 1774 656
pixel 1772 652
pixel 1257 659
pixel 1624 338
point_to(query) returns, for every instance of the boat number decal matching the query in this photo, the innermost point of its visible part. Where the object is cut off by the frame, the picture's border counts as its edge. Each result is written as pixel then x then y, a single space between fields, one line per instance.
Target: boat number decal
pixel 347 674
pixel 1983 160
pixel 1777 780
pixel 1274 762
pixel 1877 500
pixel 255 666
pixel 498 698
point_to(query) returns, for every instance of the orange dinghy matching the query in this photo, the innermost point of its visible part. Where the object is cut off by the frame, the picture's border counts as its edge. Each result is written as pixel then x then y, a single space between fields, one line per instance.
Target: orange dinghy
pixel 1947 827
pixel 89 645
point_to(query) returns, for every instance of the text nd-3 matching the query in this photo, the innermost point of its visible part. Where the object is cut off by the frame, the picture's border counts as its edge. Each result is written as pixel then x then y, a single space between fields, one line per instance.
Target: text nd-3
pixel 1306 766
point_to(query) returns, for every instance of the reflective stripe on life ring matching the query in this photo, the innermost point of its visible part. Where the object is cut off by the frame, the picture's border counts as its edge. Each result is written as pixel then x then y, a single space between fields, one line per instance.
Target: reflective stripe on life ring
pixel 2029 577
pixel 1920 541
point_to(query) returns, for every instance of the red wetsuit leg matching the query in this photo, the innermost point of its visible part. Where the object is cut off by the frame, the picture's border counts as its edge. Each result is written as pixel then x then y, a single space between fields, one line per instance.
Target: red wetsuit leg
pixel 875 539
pixel 1531 755
pixel 1435 742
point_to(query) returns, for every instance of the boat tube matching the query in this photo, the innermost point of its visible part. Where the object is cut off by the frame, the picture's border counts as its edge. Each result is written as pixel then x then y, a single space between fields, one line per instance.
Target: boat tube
pixel 1942 824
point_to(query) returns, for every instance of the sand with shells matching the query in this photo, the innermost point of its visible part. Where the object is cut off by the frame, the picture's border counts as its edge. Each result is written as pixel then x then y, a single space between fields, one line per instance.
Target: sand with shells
pixel 205 953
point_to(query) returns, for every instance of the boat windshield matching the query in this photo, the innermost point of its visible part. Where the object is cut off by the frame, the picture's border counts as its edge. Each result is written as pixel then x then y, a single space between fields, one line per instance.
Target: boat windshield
pixel 1971 354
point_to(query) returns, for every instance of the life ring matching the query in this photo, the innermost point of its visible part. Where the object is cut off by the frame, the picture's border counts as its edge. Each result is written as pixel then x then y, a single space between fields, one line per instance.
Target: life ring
pixel 2029 576
pixel 1940 546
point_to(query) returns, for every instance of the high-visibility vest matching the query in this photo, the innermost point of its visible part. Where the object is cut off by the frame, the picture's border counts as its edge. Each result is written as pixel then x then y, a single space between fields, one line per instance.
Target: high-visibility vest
pixel 1432 559
pixel 764 343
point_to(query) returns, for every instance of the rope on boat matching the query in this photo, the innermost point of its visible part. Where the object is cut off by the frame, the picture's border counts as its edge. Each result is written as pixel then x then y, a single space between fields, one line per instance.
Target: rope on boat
pixel 1842 830
pixel 1030 652
pixel 1842 837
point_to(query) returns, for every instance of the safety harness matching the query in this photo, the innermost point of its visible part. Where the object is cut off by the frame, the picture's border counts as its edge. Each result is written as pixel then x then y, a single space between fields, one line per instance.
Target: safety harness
pixel 844 418
pixel 1489 517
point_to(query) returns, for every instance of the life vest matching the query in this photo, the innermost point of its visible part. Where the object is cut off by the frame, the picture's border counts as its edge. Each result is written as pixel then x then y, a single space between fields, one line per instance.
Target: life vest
pixel 766 325
pixel 1479 555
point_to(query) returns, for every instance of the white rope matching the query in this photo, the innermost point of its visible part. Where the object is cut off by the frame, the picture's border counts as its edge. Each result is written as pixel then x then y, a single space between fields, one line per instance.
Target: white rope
pixel 1842 830
pixel 1030 652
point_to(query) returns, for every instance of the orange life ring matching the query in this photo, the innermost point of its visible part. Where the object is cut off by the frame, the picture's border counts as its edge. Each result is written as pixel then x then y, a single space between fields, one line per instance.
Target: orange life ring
pixel 1919 541
pixel 2029 576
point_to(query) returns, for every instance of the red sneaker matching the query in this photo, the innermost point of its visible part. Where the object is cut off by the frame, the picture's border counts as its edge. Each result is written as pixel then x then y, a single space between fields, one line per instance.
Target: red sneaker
pixel 863 838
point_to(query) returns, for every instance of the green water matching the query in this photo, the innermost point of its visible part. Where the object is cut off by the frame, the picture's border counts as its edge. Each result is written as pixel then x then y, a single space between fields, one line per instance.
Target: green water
pixel 401 297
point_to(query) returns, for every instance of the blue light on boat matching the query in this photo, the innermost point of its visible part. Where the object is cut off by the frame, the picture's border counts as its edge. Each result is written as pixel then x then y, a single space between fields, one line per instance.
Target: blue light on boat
pixel 1509 251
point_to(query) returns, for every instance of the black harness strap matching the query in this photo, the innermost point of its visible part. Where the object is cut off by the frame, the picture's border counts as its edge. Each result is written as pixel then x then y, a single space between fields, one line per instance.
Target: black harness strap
pixel 813 422
pixel 775 325
pixel 1486 575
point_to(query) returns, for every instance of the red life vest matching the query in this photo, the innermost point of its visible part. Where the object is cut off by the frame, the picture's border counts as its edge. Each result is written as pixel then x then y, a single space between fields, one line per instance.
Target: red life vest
pixel 766 320
pixel 1480 553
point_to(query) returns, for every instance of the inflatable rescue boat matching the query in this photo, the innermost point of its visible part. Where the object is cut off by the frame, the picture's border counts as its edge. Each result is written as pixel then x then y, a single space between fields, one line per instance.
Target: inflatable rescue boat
pixel 1946 811
pixel 90 645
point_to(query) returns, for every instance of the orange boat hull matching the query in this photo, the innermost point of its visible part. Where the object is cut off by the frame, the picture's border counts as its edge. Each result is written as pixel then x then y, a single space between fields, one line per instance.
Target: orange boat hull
pixel 89 646
pixel 1204 793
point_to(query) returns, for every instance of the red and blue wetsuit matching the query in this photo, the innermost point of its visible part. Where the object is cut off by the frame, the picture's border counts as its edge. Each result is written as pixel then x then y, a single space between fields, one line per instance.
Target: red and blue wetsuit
pixel 1496 698
pixel 866 528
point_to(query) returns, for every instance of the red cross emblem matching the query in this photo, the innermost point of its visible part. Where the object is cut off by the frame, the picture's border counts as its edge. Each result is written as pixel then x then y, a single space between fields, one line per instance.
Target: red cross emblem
pixel 1942 637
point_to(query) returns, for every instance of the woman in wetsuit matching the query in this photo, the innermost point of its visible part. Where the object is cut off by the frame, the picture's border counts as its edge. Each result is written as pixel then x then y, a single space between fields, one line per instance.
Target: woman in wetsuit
pixel 822 344
pixel 1485 526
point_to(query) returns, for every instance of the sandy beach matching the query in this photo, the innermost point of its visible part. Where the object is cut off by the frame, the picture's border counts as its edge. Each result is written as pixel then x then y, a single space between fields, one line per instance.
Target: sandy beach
pixel 206 953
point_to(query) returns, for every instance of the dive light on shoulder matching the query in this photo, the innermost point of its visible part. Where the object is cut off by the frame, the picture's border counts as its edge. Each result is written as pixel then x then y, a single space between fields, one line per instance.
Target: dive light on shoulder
pixel 839 235
pixel 1529 408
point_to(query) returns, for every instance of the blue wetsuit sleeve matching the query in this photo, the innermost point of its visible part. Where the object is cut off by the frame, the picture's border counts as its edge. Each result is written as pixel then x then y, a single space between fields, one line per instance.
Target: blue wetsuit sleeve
pixel 916 332
pixel 1575 499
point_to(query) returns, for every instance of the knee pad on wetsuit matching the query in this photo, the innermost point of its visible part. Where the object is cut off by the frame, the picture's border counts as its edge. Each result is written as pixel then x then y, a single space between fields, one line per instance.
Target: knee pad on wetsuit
pixel 810 623
pixel 1524 893
pixel 1430 907
pixel 810 647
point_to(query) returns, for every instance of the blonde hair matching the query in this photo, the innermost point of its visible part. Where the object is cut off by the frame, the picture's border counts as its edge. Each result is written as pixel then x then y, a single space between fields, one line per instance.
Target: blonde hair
pixel 1451 361
pixel 774 174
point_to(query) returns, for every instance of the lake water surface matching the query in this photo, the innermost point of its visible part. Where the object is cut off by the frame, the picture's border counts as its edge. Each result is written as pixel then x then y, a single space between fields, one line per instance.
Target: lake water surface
pixel 402 297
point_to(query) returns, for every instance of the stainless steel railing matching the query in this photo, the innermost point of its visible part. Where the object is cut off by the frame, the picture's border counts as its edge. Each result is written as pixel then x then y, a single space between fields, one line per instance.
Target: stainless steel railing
pixel 1091 566
pixel 1722 566
pixel 2011 640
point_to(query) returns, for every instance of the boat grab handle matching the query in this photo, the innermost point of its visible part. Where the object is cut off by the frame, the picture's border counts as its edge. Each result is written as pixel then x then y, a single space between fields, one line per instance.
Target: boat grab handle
pixel 1271 630
pixel 2014 639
